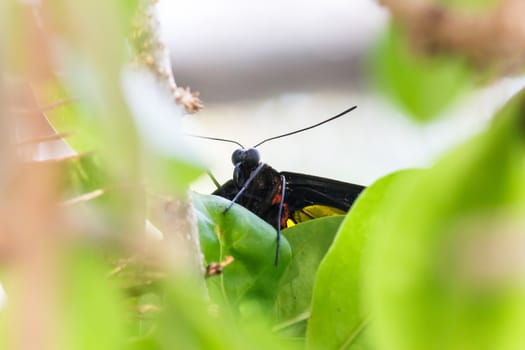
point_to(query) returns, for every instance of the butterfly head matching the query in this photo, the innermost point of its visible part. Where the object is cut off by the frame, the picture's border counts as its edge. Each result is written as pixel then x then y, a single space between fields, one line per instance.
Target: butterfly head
pixel 245 161
pixel 249 157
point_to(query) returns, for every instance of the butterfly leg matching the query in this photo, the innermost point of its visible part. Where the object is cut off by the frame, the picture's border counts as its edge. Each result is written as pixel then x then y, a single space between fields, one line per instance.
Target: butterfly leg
pixel 245 186
pixel 281 204
pixel 213 179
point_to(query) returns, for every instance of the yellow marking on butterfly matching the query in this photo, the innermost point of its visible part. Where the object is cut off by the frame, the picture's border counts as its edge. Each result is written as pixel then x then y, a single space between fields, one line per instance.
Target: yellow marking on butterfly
pixel 312 212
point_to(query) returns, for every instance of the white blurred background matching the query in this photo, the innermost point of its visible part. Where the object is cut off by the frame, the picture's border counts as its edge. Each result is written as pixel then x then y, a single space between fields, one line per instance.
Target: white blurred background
pixel 266 68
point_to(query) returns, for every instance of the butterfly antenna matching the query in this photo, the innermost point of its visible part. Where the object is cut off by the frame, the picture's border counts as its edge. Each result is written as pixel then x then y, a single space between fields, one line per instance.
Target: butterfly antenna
pixel 215 139
pixel 307 128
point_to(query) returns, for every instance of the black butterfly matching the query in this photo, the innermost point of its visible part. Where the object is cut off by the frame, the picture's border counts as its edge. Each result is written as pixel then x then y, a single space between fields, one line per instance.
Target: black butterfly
pixel 283 198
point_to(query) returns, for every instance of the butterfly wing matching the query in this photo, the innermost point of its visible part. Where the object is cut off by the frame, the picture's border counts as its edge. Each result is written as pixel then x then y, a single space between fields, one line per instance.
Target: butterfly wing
pixel 227 190
pixel 308 197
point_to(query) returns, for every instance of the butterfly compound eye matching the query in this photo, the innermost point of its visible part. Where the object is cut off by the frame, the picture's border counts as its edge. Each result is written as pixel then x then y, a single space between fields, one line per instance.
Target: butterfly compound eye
pixel 252 156
pixel 237 156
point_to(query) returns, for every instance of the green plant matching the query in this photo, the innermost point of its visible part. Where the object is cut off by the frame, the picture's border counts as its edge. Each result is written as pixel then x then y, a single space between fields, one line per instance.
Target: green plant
pixel 426 258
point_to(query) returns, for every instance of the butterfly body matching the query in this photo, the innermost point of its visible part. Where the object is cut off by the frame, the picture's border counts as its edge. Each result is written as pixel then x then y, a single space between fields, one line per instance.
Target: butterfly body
pixel 305 196
pixel 282 198
pixel 259 197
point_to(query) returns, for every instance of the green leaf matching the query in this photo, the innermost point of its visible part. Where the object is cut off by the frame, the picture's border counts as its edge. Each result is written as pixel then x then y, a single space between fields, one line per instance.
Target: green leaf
pixel 94 316
pixel 249 285
pixel 338 316
pixel 432 282
pixel 423 86
pixel 84 174
pixel 470 4
pixel 362 340
pixel 310 242
pixel 131 123
pixel 128 118
pixel 169 162
pixel 66 114
pixel 185 322
pixel 91 58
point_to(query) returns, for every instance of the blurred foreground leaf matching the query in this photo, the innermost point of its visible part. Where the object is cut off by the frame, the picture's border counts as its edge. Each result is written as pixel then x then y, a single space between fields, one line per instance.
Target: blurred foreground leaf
pixel 170 163
pixel 423 86
pixel 92 306
pixel 428 284
pixel 470 4
pixel 186 321
pixel 67 114
pixel 84 174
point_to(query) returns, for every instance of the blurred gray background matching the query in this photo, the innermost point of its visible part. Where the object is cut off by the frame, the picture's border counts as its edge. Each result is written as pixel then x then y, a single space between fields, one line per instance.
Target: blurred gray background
pixel 266 68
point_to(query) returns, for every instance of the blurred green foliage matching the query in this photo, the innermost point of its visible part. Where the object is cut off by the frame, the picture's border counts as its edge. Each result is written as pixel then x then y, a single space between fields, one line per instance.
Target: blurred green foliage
pixel 470 4
pixel 410 267
pixel 84 297
pixel 429 284
pixel 423 86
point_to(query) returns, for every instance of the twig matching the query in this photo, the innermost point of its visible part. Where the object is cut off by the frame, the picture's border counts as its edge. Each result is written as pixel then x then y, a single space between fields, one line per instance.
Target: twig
pixel 84 198
pixel 215 269
pixel 46 138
